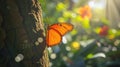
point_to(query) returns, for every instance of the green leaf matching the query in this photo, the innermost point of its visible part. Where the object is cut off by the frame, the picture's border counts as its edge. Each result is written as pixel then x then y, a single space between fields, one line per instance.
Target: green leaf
pixel 60 6
pixel 86 23
pixel 89 56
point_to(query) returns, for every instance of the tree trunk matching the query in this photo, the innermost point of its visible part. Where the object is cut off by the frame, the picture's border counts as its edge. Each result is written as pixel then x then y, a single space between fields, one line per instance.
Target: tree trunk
pixel 22 35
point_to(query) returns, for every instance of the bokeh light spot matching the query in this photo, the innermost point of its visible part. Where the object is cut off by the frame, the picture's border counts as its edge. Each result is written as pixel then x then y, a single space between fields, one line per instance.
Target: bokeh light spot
pixel 53 56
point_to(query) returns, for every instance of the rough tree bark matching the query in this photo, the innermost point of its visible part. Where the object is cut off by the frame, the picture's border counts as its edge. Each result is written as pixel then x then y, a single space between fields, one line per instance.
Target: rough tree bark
pixel 22 35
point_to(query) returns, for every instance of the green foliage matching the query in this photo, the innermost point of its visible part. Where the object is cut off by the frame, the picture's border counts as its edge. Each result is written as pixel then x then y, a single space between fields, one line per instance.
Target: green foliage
pixel 90 35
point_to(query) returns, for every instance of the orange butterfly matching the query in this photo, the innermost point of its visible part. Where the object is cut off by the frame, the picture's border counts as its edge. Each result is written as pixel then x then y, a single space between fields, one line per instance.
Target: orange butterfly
pixel 55 33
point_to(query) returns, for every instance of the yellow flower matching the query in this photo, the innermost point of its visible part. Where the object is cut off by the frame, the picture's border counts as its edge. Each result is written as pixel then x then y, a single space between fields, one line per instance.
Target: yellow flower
pixel 112 36
pixel 76 45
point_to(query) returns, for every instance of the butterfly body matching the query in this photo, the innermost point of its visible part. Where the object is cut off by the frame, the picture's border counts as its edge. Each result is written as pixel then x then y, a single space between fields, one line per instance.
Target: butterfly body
pixel 55 33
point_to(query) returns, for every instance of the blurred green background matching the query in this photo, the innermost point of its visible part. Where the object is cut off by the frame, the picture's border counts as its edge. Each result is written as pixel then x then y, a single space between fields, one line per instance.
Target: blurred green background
pixel 95 39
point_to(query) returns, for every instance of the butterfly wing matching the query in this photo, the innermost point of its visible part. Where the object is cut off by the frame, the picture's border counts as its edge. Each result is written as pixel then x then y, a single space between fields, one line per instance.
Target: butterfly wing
pixel 53 37
pixel 55 33
pixel 62 28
